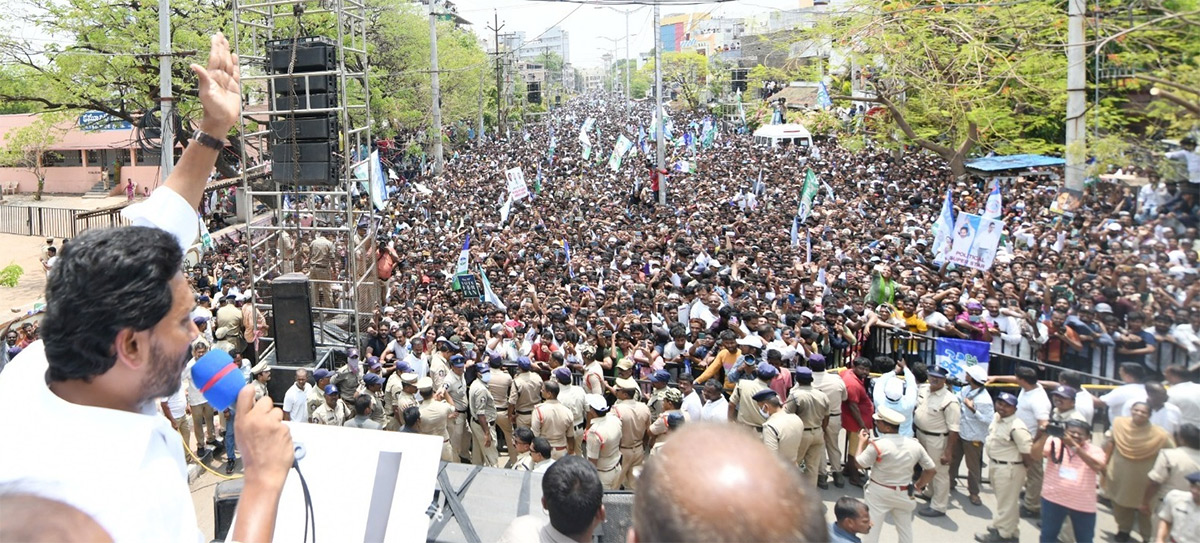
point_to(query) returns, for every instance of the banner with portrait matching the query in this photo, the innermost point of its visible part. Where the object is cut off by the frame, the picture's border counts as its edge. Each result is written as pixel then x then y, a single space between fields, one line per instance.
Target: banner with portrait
pixel 974 241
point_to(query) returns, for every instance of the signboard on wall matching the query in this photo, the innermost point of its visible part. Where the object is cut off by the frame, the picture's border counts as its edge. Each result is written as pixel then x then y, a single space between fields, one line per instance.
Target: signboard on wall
pixel 99 120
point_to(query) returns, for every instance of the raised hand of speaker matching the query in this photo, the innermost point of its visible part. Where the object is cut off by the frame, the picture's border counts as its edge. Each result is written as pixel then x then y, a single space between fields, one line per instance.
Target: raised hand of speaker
pixel 220 88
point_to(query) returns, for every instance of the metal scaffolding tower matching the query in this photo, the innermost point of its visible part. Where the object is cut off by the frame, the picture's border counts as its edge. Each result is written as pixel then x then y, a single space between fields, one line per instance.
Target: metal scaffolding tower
pixel 304 131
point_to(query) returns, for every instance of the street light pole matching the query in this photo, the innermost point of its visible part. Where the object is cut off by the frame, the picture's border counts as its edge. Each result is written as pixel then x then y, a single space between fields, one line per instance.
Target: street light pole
pixel 659 149
pixel 1076 150
pixel 166 100
pixel 435 91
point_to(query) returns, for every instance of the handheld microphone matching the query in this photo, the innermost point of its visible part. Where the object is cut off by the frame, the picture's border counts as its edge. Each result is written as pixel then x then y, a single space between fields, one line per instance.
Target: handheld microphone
pixel 218 378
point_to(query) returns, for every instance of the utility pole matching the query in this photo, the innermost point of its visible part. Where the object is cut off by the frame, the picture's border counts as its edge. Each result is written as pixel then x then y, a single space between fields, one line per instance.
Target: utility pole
pixel 165 98
pixel 628 89
pixel 435 90
pixel 495 28
pixel 659 149
pixel 1076 144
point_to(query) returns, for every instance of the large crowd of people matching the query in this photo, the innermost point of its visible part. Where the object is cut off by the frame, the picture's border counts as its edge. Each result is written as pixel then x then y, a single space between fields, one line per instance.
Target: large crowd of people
pixel 618 336
pixel 612 319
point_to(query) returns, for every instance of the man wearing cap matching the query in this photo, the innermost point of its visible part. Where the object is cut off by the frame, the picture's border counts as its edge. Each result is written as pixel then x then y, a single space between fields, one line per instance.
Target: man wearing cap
pixel 436 415
pixel 332 412
pixel 835 391
pixel 812 406
pixel 373 385
pixel 742 407
pixel 316 393
pixel 455 387
pixel 634 417
pixel 672 403
pixel 900 395
pixel 261 374
pixel 295 404
pixel 975 415
pixel 1008 444
pixel 658 386
pixel 525 394
pixel 320 269
pixel 391 388
pixel 782 432
pixel 574 399
pixel 203 415
pixel 891 459
pixel 936 421
pixel 439 363
pixel 1063 399
pixel 554 421
pixel 287 249
pixel 1180 514
pixel 603 442
pixel 483 418
pixel 229 327
pixel 500 385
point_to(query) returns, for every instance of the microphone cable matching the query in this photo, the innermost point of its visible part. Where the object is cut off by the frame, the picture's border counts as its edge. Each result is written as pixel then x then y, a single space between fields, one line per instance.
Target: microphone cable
pixel 309 517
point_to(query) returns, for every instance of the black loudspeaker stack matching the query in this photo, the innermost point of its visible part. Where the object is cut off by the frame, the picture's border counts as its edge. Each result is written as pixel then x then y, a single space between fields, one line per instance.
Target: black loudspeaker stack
pixel 304 140
pixel 292 314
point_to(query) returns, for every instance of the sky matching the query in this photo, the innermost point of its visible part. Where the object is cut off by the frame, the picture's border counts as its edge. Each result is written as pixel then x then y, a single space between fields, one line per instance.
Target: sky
pixel 588 25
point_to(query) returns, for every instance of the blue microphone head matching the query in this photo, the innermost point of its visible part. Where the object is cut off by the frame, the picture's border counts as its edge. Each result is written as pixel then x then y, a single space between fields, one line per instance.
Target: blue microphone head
pixel 218 379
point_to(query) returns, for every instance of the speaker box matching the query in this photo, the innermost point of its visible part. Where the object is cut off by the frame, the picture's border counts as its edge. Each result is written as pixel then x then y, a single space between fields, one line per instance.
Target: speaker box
pixel 322 127
pixel 225 500
pixel 618 516
pixel 286 172
pixel 316 151
pixel 312 54
pixel 299 102
pixel 300 84
pixel 292 315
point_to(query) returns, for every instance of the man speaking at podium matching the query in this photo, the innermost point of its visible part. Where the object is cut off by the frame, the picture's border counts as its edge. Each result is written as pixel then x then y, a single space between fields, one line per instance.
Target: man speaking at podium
pixel 115 339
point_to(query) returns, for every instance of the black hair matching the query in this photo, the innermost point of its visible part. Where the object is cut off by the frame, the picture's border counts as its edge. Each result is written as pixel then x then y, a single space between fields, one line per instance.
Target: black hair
pixel 412 415
pixel 1189 435
pixel 105 281
pixel 363 403
pixel 1027 374
pixel 847 507
pixel 1071 379
pixel 524 435
pixel 573 494
pixel 541 446
pixel 1135 370
pixel 552 387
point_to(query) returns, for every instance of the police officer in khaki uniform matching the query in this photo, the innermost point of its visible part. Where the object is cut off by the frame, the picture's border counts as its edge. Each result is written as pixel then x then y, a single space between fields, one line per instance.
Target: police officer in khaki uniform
pixel 812 406
pixel 373 383
pixel 320 270
pixel 835 390
pixel 260 373
pixel 316 394
pixel 439 363
pixel 332 412
pixel 523 438
pixel 782 432
pixel 575 399
pixel 436 416
pixel 392 387
pixel 891 459
pixel 1008 446
pixel 407 397
pixel 742 407
pixel 936 421
pixel 483 419
pixel 603 442
pixel 455 388
pixel 672 402
pixel 526 393
pixel 658 385
pixel 553 421
pixel 500 386
pixel 635 421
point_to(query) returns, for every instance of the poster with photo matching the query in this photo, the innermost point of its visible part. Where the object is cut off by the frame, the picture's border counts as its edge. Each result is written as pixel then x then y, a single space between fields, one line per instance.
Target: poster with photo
pixel 974 241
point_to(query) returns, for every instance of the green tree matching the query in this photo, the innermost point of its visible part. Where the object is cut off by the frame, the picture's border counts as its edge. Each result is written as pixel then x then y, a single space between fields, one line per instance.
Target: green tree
pixel 954 79
pixel 26 147
pixel 685 71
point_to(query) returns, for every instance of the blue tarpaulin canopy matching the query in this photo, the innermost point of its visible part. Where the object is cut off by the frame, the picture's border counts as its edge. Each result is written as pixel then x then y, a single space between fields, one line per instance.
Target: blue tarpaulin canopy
pixel 1013 162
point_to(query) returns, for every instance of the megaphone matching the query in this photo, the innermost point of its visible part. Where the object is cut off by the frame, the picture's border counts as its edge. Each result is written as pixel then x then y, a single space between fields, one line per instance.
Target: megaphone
pixel 218 378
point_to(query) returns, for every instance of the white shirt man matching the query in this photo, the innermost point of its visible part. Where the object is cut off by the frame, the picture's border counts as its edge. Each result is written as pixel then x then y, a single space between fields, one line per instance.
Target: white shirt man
pixel 1120 399
pixel 693 406
pixel 716 410
pixel 295 402
pixel 1033 405
pixel 1186 396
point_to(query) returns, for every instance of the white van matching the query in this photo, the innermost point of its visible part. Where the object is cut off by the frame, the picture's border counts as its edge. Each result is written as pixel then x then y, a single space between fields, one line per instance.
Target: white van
pixel 774 135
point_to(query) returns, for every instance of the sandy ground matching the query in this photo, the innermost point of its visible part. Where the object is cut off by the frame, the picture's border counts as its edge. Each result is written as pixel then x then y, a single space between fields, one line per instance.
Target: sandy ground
pixel 24 251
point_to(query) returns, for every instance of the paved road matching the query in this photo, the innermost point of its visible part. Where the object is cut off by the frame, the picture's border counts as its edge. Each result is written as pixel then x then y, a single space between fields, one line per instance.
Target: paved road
pixel 960 524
